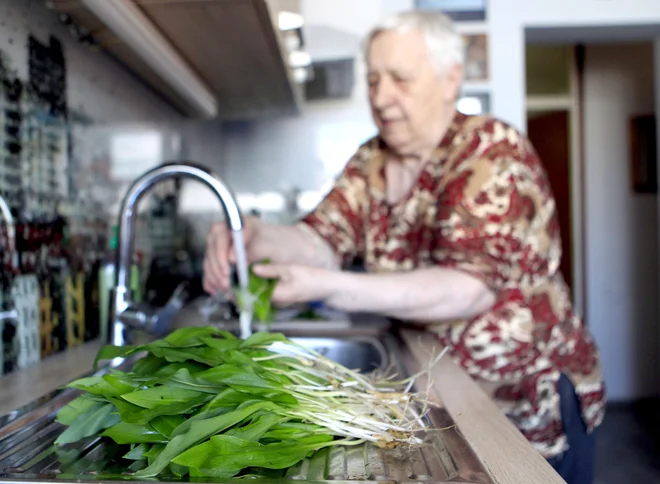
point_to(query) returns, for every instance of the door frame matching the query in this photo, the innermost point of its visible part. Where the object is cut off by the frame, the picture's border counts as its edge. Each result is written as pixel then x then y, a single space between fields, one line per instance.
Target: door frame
pixel 572 102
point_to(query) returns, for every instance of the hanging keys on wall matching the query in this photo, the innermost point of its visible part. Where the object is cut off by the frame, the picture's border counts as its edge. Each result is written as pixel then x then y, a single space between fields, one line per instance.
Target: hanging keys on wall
pixel 75 309
pixel 25 298
pixel 48 321
pixel 8 331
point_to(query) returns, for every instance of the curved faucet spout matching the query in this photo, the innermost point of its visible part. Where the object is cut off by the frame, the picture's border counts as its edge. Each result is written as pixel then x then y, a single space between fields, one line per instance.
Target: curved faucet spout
pixel 127 216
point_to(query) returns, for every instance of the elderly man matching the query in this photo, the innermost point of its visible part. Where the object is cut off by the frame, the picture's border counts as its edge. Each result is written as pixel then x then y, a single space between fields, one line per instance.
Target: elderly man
pixel 456 223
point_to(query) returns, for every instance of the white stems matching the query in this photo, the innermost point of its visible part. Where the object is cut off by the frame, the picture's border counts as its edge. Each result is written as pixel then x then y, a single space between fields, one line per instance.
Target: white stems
pixel 374 408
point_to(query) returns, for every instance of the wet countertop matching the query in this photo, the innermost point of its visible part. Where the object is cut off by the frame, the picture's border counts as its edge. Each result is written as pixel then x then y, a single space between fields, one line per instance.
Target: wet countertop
pixel 25 385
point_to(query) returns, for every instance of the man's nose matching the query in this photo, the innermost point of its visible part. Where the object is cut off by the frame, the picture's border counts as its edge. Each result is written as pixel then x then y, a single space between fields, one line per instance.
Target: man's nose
pixel 383 93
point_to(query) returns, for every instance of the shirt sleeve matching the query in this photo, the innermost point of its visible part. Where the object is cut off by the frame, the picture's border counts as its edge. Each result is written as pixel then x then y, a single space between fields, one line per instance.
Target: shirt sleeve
pixel 496 221
pixel 339 218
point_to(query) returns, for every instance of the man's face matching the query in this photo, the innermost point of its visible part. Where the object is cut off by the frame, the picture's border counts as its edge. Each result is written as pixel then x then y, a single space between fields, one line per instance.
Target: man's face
pixel 406 93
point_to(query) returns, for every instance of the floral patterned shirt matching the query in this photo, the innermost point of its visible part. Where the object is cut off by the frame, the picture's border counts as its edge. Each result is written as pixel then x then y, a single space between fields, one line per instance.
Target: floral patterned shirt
pixel 482 205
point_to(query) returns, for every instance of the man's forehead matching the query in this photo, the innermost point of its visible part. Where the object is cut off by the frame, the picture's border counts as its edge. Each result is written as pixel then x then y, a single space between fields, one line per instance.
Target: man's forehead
pixel 391 50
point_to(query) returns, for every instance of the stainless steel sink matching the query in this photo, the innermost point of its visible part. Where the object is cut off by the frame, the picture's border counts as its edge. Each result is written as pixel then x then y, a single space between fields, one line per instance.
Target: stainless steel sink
pixel 362 354
pixel 204 311
pixel 27 453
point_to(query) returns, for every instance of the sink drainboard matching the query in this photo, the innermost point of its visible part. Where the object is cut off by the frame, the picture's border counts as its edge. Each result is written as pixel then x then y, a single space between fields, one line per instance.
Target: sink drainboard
pixel 27 453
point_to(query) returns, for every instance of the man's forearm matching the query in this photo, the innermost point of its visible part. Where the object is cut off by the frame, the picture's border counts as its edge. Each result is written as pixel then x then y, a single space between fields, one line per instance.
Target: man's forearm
pixel 424 295
pixel 287 244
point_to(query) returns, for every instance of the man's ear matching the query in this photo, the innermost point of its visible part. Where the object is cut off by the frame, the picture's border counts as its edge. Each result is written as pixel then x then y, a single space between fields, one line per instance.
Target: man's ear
pixel 453 80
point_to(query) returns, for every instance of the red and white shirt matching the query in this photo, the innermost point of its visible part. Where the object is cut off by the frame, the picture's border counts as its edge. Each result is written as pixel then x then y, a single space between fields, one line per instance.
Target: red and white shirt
pixel 482 205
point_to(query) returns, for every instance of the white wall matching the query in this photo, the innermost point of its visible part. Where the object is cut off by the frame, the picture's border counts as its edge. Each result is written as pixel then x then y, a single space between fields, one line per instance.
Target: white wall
pixel 621 226
pixel 507 20
pixel 303 152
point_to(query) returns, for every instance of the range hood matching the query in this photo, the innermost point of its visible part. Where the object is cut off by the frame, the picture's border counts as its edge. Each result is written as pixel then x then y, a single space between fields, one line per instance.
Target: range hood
pixel 333 53
pixel 224 59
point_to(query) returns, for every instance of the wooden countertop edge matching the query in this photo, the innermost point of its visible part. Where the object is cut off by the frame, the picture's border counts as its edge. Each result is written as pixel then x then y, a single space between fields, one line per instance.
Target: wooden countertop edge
pixel 504 452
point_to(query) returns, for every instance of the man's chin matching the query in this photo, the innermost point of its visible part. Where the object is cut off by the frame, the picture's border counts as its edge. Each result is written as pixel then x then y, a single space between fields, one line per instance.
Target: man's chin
pixel 395 141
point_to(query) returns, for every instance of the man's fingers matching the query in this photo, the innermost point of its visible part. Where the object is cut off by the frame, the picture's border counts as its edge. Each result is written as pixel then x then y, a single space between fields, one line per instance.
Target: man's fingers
pixel 216 263
pixel 220 246
pixel 268 271
pixel 211 279
pixel 280 296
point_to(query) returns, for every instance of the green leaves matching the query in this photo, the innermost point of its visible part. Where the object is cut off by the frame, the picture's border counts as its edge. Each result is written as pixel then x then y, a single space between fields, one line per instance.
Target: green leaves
pixel 263 339
pixel 133 414
pixel 94 418
pixel 74 409
pixel 106 385
pixel 167 423
pixel 180 339
pixel 204 403
pixel 199 431
pixel 223 456
pixel 126 433
pixel 160 396
pixel 260 294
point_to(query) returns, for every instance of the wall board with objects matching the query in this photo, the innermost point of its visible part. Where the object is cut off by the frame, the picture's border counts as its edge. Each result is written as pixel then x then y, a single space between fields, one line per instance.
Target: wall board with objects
pixel 63 107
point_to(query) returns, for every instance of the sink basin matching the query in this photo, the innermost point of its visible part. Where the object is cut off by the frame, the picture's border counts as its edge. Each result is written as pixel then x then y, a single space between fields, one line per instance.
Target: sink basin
pixel 364 355
pixel 27 453
pixel 203 311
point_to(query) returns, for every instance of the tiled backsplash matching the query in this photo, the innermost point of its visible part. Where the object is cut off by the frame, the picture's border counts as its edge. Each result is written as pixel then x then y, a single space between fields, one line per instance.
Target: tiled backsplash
pixel 76 129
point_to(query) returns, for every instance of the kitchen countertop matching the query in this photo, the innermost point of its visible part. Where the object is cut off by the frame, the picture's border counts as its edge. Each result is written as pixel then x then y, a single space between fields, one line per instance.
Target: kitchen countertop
pixel 22 386
pixel 503 451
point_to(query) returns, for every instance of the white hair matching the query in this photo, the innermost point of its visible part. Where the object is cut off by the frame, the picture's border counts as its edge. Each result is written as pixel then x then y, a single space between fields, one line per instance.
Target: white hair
pixel 444 43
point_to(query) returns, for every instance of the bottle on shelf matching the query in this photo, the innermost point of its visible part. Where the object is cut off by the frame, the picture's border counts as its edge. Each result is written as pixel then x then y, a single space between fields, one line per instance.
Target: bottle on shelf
pixel 107 275
pixel 107 282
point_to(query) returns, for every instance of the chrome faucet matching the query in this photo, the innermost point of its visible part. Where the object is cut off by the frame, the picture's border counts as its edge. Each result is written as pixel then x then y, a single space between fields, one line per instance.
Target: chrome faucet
pixel 124 313
pixel 11 229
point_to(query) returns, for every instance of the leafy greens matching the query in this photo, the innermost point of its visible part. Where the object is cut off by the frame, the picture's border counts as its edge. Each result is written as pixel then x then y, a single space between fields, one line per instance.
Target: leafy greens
pixel 205 403
pixel 260 291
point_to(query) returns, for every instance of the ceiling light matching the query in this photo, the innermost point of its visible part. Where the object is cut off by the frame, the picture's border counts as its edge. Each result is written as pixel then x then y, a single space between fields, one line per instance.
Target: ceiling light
pixel 303 74
pixel 289 20
pixel 299 58
pixel 292 40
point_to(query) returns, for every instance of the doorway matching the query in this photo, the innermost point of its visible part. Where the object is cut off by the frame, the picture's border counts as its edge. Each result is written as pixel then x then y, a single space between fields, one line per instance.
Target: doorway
pixel 553 126
pixel 549 133
pixel 613 82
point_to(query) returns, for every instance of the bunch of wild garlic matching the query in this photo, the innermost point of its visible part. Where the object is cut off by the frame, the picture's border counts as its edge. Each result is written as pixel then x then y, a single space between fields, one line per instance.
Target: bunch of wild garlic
pixel 205 403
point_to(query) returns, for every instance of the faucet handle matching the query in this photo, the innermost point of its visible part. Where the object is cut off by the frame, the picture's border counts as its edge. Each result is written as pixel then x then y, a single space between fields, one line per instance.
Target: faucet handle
pixel 156 321
pixel 165 315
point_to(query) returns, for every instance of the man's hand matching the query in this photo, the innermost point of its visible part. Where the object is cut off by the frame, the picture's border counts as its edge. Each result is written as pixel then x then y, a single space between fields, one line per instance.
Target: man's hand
pixel 297 283
pixel 220 255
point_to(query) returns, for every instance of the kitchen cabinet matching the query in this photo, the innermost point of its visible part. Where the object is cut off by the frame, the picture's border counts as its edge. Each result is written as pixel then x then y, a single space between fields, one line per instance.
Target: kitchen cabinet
pixel 222 59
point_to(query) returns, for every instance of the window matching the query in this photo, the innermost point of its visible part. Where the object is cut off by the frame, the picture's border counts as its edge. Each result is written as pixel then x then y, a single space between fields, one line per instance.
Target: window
pixel 459 10
pixel 473 104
